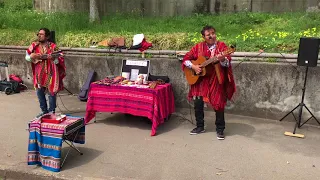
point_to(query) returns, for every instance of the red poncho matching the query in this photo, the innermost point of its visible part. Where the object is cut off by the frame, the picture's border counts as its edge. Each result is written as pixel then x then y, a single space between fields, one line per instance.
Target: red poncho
pixel 46 73
pixel 213 93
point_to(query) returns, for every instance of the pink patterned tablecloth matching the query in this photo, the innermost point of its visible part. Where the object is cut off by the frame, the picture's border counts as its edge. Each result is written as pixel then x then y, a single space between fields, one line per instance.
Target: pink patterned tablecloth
pixel 155 104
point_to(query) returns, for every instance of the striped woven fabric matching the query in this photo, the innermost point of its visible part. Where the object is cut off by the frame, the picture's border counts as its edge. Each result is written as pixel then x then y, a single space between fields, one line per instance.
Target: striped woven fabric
pixel 45 142
pixel 155 104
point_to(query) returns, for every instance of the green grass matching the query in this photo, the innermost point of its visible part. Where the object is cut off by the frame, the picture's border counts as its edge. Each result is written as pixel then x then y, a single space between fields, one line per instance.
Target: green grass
pixel 249 31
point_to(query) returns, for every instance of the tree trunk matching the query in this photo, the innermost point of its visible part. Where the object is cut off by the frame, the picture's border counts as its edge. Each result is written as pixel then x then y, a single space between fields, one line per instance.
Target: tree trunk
pixel 94 12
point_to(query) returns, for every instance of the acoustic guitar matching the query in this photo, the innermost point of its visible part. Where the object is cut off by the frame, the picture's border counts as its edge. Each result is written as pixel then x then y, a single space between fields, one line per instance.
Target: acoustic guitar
pixel 192 77
pixel 45 56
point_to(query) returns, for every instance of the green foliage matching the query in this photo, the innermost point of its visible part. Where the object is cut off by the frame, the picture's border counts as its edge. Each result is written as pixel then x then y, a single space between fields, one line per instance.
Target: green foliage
pixel 246 18
pixel 16 5
pixel 1 3
pixel 272 60
pixel 148 55
pixel 248 31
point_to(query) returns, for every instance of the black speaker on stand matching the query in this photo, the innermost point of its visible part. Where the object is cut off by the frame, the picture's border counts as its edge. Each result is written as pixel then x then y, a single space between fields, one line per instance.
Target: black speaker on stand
pixel 308 57
pixel 52 37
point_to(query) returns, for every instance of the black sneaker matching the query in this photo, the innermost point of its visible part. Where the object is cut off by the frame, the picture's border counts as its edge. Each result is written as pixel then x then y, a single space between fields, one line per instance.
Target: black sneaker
pixel 197 130
pixel 220 135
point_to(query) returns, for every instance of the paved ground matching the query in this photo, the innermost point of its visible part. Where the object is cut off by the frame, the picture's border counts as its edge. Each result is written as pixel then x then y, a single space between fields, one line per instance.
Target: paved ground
pixel 120 147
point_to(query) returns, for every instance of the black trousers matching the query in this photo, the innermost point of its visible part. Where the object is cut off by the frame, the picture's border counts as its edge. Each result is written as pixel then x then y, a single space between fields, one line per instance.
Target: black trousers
pixel 199 114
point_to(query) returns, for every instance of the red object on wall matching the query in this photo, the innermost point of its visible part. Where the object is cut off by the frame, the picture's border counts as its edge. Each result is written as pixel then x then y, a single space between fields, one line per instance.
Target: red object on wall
pixel 144 45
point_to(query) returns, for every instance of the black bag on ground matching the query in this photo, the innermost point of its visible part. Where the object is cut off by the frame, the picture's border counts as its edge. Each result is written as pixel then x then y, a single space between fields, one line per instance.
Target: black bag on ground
pixel 84 91
pixel 8 86
pixel 155 78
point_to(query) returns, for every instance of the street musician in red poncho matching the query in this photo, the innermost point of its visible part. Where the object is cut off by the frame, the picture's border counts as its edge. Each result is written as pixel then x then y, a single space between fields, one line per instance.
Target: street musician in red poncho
pixel 216 86
pixel 48 70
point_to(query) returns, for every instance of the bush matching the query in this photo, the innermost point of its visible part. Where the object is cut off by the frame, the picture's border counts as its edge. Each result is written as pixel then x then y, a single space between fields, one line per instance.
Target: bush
pixel 269 32
pixel 17 5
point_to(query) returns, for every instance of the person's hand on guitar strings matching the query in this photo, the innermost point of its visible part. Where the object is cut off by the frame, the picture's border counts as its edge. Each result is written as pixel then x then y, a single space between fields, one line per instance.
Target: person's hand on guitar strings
pixel 221 57
pixel 197 68
pixel 35 56
pixel 49 56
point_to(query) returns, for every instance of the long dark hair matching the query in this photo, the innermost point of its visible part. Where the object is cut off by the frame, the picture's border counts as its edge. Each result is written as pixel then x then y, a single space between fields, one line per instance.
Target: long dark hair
pixel 46 31
pixel 49 34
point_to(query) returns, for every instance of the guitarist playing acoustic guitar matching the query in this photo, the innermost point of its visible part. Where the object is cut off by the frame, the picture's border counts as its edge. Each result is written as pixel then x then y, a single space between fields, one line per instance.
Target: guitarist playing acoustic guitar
pixel 207 67
pixel 48 70
pixel 36 58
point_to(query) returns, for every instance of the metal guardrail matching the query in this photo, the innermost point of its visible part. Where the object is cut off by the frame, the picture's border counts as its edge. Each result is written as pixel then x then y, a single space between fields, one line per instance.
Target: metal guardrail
pixel 159 53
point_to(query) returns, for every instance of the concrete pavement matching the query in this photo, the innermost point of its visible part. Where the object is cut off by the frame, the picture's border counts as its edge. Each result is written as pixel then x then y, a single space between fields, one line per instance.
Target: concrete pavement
pixel 120 147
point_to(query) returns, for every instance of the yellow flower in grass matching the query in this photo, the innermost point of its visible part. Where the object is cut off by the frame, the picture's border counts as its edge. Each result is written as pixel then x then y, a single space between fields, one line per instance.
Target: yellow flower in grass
pixel 283 34
pixel 244 37
pixel 306 33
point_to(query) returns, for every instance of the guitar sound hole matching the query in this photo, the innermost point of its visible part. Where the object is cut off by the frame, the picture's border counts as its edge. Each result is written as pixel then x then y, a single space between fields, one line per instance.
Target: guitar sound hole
pixel 194 73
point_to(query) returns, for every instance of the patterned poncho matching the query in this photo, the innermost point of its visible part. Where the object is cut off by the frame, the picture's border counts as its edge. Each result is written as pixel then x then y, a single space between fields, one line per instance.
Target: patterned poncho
pixel 214 91
pixel 46 73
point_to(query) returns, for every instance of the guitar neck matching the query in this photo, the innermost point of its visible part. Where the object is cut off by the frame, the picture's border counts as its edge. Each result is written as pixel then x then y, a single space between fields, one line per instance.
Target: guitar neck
pixel 215 59
pixel 209 61
pixel 53 55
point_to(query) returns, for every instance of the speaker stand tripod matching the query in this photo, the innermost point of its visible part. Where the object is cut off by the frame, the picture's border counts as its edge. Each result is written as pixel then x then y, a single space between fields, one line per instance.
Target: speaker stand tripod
pixel 300 106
